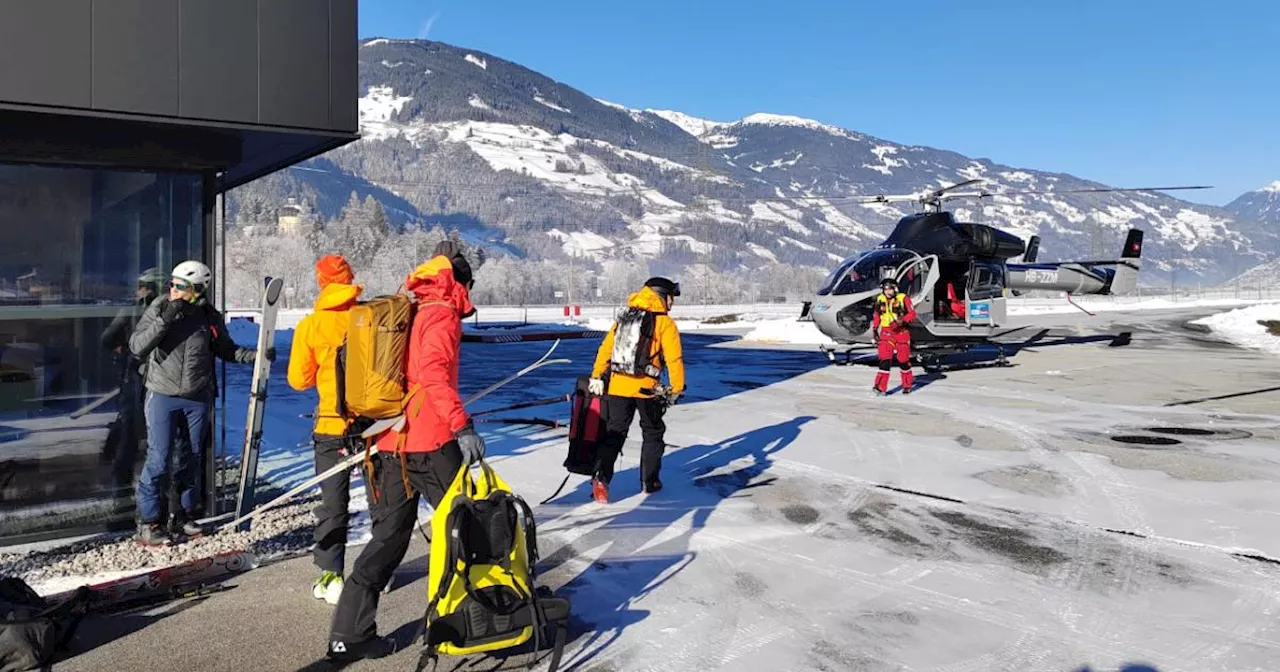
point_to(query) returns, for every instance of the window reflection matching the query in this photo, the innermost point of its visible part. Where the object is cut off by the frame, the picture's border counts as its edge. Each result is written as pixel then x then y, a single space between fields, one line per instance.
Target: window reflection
pixel 81 252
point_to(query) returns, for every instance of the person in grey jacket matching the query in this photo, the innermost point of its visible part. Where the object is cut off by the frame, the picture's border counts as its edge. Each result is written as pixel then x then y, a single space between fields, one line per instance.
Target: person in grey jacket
pixel 177 340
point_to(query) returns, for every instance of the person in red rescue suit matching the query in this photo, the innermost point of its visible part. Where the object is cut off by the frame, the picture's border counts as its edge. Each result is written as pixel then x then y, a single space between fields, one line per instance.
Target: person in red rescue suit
pixel 893 312
pixel 423 459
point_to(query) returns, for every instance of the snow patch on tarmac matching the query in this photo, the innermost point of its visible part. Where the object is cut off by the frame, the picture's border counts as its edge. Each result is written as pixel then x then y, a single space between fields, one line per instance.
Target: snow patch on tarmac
pixel 1244 326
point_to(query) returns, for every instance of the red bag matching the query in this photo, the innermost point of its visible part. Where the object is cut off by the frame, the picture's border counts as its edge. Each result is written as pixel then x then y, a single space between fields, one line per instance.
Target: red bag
pixel 586 429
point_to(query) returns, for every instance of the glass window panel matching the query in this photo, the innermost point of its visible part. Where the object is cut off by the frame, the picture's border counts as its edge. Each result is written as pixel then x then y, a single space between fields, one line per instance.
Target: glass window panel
pixel 81 251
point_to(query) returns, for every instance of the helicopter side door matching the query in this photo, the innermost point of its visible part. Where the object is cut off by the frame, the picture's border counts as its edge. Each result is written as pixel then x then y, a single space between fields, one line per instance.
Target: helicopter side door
pixel 985 302
pixel 917 278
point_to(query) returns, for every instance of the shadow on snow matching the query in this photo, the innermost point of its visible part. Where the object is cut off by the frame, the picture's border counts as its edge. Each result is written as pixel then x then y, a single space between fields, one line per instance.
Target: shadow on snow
pixel 609 590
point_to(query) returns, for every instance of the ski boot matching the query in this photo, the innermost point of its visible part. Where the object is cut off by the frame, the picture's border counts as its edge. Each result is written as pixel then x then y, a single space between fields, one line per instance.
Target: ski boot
pixel 652 486
pixel 154 535
pixel 328 587
pixel 599 491
pixel 186 526
pixel 374 647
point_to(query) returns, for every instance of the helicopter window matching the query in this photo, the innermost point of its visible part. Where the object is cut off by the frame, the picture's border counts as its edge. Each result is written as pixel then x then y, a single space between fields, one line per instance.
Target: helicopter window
pixel 868 270
pixel 835 276
pixel 986 281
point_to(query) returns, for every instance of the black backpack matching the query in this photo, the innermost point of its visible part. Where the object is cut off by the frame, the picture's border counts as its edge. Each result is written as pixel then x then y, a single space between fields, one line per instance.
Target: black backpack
pixel 32 631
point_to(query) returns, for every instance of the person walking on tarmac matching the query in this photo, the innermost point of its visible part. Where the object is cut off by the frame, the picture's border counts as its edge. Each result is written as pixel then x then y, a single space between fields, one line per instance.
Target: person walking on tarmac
pixel 423 459
pixel 627 367
pixel 316 340
pixel 177 339
pixel 893 312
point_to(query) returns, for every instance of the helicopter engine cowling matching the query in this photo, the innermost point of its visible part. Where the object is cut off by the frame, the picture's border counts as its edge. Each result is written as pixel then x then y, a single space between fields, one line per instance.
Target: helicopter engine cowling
pixel 938 233
pixel 985 241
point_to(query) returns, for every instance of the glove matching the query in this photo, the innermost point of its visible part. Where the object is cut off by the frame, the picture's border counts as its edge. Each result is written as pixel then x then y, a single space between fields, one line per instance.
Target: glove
pixel 673 397
pixel 174 311
pixel 596 387
pixel 270 354
pixel 471 444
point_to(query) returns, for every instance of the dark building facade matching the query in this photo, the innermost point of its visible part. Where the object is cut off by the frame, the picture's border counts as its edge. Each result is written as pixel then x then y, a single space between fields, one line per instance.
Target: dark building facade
pixel 121 123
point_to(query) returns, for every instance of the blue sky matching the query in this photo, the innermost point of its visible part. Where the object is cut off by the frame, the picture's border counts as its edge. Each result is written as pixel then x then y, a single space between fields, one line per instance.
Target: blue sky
pixel 1126 92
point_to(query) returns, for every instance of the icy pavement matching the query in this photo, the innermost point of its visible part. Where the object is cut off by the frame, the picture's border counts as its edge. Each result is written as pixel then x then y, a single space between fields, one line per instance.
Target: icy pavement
pixel 1086 506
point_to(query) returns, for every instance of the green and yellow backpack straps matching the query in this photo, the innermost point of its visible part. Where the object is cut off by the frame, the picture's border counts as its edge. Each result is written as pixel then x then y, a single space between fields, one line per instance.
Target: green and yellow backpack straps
pixel 481 581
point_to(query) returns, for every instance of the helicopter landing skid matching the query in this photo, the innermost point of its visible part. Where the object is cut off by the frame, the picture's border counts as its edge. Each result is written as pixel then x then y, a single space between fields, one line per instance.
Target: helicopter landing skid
pixel 846 357
pixel 931 359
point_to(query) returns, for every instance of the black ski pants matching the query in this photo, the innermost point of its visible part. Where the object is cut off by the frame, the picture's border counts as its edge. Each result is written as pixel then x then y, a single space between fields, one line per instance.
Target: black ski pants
pixel 332 515
pixel 394 514
pixel 619 413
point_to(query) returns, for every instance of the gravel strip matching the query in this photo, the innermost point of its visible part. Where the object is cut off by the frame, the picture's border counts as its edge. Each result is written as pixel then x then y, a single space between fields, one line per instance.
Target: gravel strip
pixel 282 532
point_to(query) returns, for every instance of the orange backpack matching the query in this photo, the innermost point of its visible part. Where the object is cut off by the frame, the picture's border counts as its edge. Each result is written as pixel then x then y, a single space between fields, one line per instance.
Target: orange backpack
pixel 372 361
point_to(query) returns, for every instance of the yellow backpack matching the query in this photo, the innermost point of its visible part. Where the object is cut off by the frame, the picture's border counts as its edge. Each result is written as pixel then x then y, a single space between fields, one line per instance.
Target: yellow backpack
pixel 372 361
pixel 481 579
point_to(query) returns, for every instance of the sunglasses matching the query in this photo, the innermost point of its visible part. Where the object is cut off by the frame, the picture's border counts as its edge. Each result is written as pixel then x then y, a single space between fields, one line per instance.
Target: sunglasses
pixel 180 286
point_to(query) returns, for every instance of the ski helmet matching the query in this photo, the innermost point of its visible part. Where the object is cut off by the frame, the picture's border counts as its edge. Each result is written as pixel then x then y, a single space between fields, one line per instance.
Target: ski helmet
pixel 664 287
pixel 150 277
pixel 888 282
pixel 193 272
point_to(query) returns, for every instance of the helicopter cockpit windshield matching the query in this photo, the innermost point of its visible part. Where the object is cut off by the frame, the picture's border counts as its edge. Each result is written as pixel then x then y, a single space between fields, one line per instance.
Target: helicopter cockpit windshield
pixel 865 272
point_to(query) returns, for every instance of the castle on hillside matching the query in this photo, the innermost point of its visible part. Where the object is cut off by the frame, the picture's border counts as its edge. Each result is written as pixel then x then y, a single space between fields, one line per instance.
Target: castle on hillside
pixel 294 218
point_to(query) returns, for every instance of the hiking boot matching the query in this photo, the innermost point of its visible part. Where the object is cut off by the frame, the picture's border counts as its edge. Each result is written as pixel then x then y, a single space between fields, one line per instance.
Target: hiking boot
pixel 652 486
pixel 599 491
pixel 377 647
pixel 154 535
pixel 328 587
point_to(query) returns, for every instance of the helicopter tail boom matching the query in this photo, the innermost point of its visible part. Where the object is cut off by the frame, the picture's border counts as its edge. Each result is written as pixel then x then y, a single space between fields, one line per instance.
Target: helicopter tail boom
pixel 1114 276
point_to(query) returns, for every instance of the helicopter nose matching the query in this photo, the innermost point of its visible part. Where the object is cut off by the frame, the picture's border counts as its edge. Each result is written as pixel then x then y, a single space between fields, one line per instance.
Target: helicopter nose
pixel 854 320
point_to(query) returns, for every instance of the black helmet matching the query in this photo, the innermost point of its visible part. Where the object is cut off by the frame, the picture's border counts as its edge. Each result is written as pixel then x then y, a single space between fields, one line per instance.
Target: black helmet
pixel 663 286
pixel 888 282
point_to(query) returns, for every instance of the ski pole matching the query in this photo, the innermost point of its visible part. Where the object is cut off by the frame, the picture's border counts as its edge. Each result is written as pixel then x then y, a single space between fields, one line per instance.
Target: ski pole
pixel 522 421
pixel 352 460
pixel 96 403
pixel 526 404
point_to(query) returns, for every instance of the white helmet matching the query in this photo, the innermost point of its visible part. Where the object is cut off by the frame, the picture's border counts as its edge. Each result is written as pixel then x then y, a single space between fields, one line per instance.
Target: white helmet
pixel 193 272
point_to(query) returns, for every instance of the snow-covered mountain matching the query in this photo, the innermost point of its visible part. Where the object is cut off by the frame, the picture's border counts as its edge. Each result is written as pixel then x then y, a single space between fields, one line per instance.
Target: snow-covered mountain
pixel 1262 205
pixel 533 166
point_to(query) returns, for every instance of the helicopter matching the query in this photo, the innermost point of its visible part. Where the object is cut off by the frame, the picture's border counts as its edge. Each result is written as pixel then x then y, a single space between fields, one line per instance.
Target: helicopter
pixel 958 276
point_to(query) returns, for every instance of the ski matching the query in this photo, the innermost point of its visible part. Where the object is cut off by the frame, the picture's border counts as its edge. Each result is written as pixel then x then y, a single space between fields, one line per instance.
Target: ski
pixel 352 460
pixel 394 424
pixel 257 397
pixel 177 581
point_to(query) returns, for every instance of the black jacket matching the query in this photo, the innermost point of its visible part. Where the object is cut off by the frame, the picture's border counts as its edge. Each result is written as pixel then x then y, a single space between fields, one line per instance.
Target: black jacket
pixel 178 358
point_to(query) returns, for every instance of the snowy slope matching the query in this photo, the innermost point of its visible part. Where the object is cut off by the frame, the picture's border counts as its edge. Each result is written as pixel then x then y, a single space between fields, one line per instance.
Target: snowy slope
pixel 1262 205
pixel 455 132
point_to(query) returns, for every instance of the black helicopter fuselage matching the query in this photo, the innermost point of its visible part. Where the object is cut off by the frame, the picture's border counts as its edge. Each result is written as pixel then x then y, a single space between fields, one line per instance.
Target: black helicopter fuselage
pixel 958 275
pixel 939 233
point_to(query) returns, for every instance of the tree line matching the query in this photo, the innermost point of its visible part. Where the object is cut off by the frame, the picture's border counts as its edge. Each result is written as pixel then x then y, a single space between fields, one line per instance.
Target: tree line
pixel 382 256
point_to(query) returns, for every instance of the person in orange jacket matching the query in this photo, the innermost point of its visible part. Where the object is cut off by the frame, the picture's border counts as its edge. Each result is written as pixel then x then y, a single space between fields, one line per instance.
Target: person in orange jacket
pixel 423 458
pixel 892 313
pixel 631 359
pixel 311 364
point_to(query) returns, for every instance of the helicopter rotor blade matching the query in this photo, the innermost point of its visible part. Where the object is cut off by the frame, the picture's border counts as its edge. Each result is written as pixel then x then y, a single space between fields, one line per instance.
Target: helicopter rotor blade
pixel 1095 191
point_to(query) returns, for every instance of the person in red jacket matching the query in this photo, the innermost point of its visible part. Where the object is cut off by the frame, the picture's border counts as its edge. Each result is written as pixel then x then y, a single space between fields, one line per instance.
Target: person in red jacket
pixel 893 312
pixel 437 439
